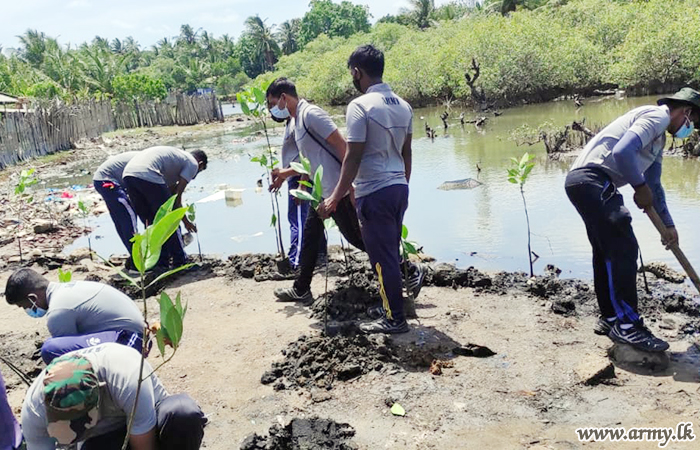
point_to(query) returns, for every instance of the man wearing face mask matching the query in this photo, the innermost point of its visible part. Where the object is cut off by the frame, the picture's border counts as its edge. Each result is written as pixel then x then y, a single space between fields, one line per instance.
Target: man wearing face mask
pixel 378 160
pixel 78 314
pixel 297 210
pixel 628 151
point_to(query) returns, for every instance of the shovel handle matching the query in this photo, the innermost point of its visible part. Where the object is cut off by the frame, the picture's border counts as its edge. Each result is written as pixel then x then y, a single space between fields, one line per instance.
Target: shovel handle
pixel 675 249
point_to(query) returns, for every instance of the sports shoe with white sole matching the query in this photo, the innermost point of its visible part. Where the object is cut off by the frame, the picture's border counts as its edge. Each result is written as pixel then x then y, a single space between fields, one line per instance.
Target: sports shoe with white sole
pixel 638 336
pixel 603 326
pixel 416 277
pixel 384 325
pixel 291 295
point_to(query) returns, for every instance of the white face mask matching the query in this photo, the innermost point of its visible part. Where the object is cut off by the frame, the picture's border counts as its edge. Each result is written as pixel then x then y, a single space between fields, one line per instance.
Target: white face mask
pixel 279 113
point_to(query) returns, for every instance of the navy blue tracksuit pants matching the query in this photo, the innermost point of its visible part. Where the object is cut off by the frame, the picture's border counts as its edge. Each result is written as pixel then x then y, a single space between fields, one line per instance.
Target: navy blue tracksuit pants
pixel 147 198
pixel 609 227
pixel 179 426
pixel 381 216
pixel 297 212
pixel 120 210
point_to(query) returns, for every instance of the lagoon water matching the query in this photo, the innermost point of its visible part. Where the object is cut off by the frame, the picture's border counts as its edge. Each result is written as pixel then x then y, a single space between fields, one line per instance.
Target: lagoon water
pixel 483 227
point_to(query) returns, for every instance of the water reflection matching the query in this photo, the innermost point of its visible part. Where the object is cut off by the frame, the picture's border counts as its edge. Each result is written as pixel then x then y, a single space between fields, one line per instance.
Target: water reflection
pixel 484 226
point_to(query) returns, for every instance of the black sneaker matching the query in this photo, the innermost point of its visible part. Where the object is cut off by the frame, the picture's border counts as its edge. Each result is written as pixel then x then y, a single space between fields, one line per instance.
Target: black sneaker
pixel 603 326
pixel 376 312
pixel 291 295
pixel 416 276
pixel 638 337
pixel 384 325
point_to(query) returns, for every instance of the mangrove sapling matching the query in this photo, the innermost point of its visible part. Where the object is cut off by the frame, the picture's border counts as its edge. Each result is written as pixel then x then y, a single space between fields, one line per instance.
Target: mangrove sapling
pixel 408 248
pixel 191 216
pixel 64 277
pixel 253 104
pixel 145 253
pixel 518 174
pixel 26 180
pixel 85 214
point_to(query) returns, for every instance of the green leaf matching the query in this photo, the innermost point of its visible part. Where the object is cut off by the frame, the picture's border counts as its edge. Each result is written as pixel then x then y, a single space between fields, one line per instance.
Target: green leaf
pixel 244 104
pixel 525 158
pixel 398 410
pixel 164 228
pixel 164 209
pixel 170 273
pixel 318 184
pixel 273 220
pixel 306 163
pixel 64 277
pixel 299 168
pixel 191 213
pixel 409 248
pixel 259 96
pixel 513 180
pixel 137 251
pixel 302 195
pixel 173 326
pixel 306 184
pixel 160 340
pixel 263 160
pixel 515 161
pixel 527 171
pixel 329 223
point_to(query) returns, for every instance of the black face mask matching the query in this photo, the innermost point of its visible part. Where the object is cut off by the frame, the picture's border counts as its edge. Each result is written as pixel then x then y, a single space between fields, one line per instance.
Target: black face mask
pixel 277 120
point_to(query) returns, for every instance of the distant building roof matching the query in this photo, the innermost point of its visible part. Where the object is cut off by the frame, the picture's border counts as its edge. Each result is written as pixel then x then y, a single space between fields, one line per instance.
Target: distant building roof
pixel 7 99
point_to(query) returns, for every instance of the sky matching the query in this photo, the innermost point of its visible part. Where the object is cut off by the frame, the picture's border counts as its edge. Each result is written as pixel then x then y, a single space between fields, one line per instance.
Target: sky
pixel 77 21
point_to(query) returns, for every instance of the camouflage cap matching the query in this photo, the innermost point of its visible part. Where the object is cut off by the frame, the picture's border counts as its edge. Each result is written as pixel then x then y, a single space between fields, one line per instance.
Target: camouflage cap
pixel 71 398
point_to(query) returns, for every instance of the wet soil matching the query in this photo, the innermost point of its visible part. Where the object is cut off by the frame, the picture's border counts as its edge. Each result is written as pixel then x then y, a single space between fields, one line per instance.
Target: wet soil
pixel 304 434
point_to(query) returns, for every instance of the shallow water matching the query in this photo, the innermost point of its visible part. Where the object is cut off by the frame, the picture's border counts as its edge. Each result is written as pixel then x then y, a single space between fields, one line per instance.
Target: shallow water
pixel 484 227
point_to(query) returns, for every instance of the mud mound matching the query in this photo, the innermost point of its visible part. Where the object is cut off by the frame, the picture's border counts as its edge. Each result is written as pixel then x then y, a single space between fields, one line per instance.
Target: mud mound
pixel 664 272
pixel 304 434
pixel 350 298
pixel 566 295
pixel 449 275
pixel 260 267
pixel 22 351
pixel 676 302
pixel 505 281
pixel 320 361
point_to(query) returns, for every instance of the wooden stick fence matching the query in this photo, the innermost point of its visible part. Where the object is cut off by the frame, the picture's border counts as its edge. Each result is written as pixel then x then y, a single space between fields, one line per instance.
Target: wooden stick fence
pixel 56 127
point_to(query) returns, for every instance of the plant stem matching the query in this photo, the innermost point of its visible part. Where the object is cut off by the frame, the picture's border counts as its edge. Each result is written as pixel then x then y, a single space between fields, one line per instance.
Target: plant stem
pixel 345 255
pixel 325 308
pixel 527 219
pixel 144 347
pixel 199 247
pixel 276 206
pixel 19 225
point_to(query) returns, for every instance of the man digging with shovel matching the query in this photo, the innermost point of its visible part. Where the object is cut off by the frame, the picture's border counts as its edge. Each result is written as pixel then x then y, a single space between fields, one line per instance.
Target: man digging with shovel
pixel 628 151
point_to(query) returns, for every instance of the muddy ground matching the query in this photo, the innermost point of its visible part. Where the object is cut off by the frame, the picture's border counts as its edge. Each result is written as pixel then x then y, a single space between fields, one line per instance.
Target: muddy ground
pixel 494 361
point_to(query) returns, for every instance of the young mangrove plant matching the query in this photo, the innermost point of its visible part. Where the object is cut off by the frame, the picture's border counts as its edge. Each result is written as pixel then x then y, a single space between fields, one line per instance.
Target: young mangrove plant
pixel 253 104
pixel 64 277
pixel 191 216
pixel 518 174
pixel 145 253
pixel 408 248
pixel 85 214
pixel 26 179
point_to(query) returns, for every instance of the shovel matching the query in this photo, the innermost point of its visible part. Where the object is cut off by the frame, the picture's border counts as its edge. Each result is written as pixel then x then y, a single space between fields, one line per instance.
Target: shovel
pixel 677 252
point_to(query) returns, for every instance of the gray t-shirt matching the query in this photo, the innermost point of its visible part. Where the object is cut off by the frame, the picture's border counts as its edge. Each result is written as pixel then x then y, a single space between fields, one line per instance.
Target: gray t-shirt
pixel 383 121
pixel 289 152
pixel 321 126
pixel 113 168
pixel 649 123
pixel 86 307
pixel 162 165
pixel 117 367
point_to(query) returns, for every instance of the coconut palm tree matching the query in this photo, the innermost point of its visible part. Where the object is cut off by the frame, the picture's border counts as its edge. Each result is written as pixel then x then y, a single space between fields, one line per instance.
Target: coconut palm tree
pixel 265 48
pixel 287 35
pixel 33 47
pixel 421 12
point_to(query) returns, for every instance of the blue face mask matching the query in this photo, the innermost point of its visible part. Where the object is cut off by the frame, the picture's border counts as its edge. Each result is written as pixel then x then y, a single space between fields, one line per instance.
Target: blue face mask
pixel 685 130
pixel 35 312
pixel 279 113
